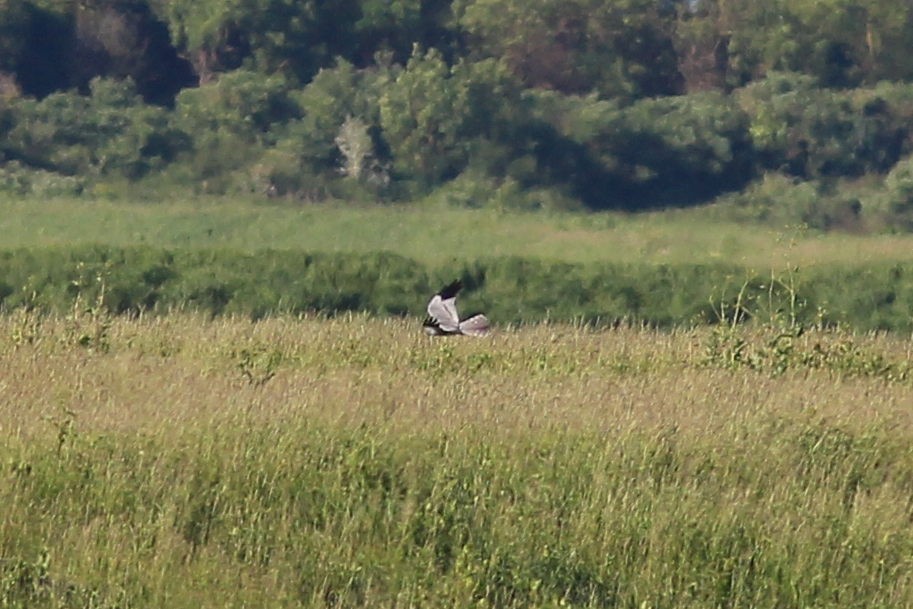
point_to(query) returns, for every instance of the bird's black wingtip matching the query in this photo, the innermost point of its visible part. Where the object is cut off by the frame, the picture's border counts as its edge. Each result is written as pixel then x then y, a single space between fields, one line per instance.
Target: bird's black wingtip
pixel 431 327
pixel 451 289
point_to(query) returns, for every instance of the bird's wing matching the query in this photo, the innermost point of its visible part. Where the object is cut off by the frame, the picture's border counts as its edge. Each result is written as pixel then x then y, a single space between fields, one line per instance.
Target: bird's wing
pixel 442 307
pixel 451 289
pixel 477 325
pixel 444 312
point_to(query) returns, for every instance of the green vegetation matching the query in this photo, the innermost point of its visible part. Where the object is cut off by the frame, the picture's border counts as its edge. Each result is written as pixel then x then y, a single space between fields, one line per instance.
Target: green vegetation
pixel 439 235
pixel 134 280
pixel 221 219
pixel 796 112
pixel 353 462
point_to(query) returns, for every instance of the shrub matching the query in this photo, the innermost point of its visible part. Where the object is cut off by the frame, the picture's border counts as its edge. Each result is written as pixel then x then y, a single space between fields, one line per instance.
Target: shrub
pixel 16 180
pixel 477 189
pixel 780 200
pixel 108 132
pixel 333 96
pixel 656 151
pixel 811 132
pixel 434 116
pixel 508 289
pixel 893 205
pixel 246 104
pixel 684 148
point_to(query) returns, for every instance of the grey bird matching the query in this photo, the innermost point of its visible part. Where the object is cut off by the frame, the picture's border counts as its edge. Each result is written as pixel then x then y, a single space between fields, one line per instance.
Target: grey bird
pixel 444 320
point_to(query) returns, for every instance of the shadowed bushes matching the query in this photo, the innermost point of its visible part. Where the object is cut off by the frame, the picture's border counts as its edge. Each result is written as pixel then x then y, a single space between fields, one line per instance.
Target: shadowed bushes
pixel 510 290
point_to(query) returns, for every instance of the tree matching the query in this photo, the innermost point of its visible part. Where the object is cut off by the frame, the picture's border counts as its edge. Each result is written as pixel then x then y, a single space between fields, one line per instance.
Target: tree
pixel 433 116
pixel 702 37
pixel 621 48
pixel 123 38
pixel 13 20
pixel 207 33
pixel 394 26
pixel 842 43
pixel 386 25
pixel 893 205
pixel 335 95
pixel 885 39
pixel 294 37
pixel 38 44
pixel 421 120
pixel 804 129
pixel 243 103
pixel 354 142
pixel 13 24
pixel 680 149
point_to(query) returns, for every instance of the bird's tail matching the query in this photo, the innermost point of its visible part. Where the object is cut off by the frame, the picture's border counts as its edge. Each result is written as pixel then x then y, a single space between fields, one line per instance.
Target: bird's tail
pixel 477 325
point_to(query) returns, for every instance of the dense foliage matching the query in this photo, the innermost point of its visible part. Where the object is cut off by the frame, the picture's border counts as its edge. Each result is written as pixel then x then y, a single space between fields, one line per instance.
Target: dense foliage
pixel 511 290
pixel 606 104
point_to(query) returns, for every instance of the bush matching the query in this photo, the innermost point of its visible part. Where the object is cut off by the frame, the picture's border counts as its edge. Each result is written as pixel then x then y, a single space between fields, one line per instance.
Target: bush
pixel 508 289
pixel 811 132
pixel 671 150
pixel 781 200
pixel 435 116
pixel 109 132
pixel 685 148
pixel 888 112
pixel 333 96
pixel 246 104
pixel 475 189
pixel 893 205
pixel 16 180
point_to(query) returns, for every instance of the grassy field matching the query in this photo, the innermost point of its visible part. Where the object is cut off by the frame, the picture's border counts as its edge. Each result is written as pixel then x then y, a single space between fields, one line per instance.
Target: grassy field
pixel 437 236
pixel 193 461
pixel 186 462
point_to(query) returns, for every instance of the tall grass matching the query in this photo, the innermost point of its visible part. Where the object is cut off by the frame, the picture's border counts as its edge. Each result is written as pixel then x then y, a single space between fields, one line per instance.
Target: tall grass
pixel 353 462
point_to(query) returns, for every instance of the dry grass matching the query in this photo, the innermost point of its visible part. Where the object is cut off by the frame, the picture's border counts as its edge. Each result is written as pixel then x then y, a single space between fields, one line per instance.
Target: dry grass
pixel 179 461
pixel 180 369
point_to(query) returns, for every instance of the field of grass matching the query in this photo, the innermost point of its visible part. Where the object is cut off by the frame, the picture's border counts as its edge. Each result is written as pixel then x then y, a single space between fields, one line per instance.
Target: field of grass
pixel 438 235
pixel 181 461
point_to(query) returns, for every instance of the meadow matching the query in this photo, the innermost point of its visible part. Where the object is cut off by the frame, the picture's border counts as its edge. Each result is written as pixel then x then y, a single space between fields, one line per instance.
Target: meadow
pixel 190 461
pixel 438 235
pixel 227 404
pixel 677 268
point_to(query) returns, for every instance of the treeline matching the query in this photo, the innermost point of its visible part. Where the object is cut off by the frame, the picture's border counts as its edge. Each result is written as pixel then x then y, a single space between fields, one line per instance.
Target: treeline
pixel 802 106
pixel 111 280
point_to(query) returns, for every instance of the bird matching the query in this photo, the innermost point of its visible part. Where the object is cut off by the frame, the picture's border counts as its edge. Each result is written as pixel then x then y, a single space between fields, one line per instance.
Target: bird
pixel 444 320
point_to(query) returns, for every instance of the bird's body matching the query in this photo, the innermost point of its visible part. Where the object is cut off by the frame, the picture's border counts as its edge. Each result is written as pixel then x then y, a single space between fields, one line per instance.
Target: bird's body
pixel 444 320
pixel 433 328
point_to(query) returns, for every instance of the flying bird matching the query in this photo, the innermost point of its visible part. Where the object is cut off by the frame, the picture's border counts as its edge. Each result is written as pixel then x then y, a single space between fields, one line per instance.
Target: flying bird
pixel 443 319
